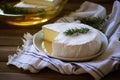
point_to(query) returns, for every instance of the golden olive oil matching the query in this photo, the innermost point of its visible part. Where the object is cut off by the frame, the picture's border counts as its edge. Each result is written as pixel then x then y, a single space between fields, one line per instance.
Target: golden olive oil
pixel 30 18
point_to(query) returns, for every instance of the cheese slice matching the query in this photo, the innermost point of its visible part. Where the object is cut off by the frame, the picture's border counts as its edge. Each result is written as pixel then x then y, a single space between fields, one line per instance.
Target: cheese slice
pixel 83 45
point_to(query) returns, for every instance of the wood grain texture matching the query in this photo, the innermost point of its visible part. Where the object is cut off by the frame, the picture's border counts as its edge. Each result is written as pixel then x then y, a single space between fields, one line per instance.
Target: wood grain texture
pixel 18 76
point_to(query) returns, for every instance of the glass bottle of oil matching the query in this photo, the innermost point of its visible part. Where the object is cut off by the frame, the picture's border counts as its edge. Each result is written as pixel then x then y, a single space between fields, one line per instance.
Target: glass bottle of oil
pixel 24 13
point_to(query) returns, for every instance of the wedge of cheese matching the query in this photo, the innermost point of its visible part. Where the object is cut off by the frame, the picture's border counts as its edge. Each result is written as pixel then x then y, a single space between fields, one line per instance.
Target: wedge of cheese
pixel 50 31
pixel 47 46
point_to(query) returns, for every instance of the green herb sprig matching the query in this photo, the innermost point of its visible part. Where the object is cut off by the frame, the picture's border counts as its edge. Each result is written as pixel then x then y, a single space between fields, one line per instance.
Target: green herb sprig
pixel 95 22
pixel 76 31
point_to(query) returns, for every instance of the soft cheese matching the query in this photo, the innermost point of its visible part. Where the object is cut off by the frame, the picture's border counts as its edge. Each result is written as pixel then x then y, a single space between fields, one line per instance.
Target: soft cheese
pixel 83 45
pixel 50 31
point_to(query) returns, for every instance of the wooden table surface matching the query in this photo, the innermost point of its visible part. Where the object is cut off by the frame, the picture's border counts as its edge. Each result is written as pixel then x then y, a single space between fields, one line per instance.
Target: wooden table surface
pixel 11 38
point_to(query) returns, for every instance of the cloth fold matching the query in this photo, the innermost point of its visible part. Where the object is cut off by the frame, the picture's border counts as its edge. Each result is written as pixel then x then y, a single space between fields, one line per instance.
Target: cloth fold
pixel 87 9
pixel 28 58
pixel 114 19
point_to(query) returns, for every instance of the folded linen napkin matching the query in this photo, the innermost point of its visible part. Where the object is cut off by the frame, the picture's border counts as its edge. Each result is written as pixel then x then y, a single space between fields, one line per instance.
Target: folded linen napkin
pixel 114 20
pixel 33 60
pixel 87 9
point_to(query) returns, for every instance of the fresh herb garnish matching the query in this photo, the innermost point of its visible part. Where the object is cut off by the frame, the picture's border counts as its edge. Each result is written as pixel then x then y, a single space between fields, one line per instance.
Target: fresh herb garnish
pixel 95 22
pixel 76 31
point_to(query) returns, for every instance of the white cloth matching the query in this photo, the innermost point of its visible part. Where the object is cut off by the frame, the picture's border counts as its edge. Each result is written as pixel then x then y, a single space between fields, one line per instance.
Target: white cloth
pixel 87 9
pixel 30 59
pixel 114 19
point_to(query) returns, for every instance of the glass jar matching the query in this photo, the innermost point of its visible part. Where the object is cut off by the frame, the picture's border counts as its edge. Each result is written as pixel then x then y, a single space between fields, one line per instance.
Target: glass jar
pixel 30 12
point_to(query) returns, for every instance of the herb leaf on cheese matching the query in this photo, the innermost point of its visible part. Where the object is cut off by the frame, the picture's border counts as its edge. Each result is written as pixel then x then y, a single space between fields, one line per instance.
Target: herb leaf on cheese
pixel 76 31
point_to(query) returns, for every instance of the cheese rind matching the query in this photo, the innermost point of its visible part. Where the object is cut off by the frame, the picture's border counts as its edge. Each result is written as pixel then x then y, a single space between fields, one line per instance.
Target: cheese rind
pixel 76 47
pixel 83 45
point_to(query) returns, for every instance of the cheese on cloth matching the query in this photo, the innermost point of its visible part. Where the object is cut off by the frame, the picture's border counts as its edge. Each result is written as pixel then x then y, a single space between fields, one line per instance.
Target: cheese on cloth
pixel 79 46
pixel 50 3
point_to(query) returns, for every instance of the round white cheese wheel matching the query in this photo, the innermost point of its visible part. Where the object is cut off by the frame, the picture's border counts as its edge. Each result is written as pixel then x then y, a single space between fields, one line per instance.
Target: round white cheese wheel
pixel 77 46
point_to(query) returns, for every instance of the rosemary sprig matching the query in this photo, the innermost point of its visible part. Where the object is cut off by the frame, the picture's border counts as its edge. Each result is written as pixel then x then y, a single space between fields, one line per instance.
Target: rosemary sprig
pixel 95 22
pixel 76 31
